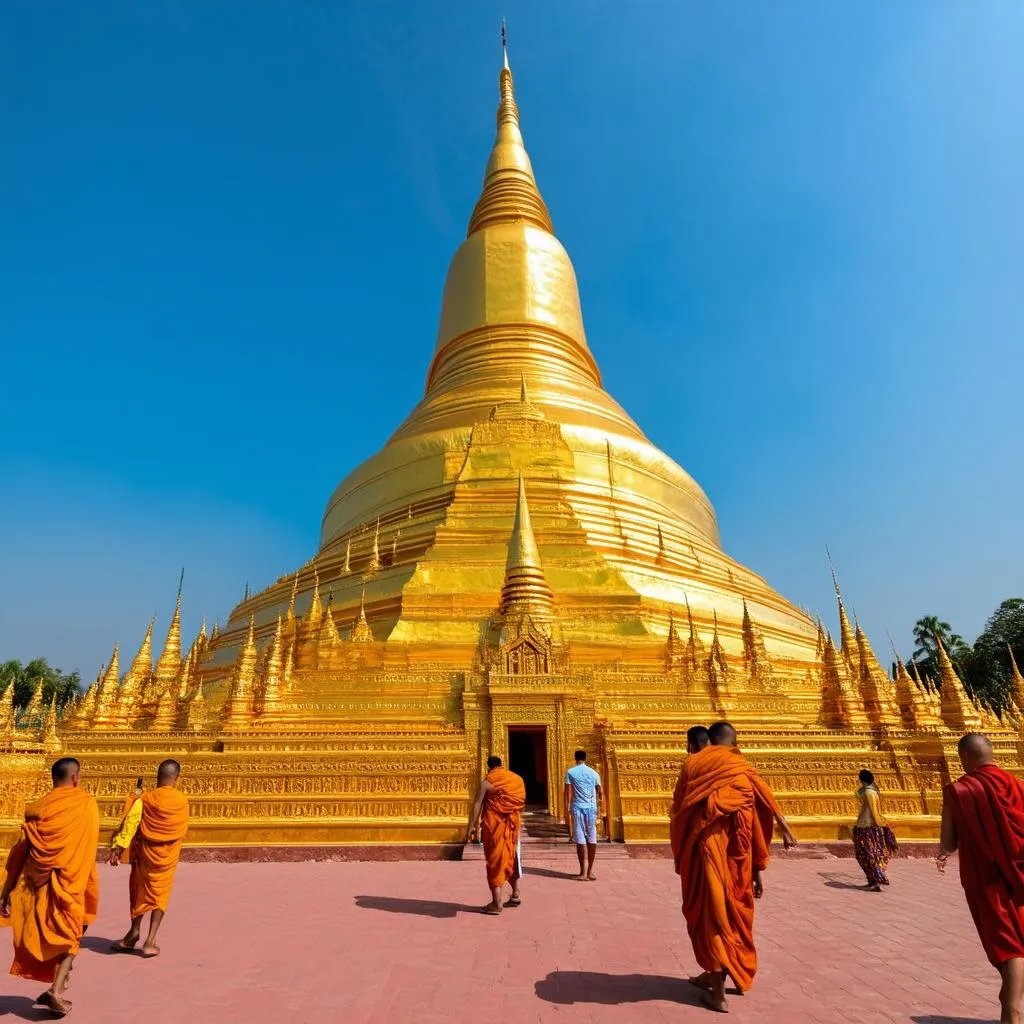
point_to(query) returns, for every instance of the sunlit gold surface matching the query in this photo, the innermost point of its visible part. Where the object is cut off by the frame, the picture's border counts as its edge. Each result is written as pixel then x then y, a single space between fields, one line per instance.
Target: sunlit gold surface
pixel 518 553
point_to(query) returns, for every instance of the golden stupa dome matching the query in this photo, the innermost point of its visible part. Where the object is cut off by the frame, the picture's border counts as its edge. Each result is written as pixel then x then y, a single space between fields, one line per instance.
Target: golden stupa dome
pixel 419 532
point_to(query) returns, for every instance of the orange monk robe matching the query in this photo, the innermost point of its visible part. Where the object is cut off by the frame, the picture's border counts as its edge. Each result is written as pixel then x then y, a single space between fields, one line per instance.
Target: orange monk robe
pixel 721 828
pixel 156 848
pixel 500 824
pixel 57 892
pixel 987 805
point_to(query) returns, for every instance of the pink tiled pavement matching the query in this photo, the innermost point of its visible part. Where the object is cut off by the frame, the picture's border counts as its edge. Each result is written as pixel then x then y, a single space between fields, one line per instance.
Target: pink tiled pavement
pixel 254 943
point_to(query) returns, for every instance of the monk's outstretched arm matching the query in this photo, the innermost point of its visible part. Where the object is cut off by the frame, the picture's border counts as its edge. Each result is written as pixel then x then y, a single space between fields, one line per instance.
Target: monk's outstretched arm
pixel 478 806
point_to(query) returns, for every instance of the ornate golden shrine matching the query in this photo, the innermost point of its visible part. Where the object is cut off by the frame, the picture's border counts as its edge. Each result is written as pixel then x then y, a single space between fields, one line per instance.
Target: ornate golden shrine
pixel 518 571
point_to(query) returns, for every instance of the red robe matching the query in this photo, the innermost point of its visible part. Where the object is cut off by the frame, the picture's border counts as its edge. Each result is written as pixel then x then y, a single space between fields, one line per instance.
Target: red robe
pixel 987 806
pixel 721 828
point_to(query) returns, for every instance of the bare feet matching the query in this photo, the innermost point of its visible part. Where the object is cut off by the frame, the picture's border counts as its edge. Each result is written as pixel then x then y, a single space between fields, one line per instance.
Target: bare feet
pixel 702 981
pixel 123 946
pixel 493 909
pixel 591 877
pixel 54 1003
pixel 874 888
pixel 150 951
pixel 714 1000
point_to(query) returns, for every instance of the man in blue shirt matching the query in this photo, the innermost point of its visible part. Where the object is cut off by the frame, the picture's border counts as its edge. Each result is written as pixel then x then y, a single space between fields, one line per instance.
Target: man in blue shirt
pixel 582 799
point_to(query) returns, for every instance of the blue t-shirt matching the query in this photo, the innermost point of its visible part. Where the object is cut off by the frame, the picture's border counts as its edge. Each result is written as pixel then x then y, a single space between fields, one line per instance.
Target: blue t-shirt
pixel 584 781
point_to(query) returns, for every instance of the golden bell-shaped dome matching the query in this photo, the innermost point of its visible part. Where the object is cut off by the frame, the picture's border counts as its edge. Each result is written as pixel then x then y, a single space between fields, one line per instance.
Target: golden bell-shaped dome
pixel 513 390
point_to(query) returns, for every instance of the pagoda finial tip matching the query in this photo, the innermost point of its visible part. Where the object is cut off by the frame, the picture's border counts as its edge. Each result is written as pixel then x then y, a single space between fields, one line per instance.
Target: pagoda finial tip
pixel 504 44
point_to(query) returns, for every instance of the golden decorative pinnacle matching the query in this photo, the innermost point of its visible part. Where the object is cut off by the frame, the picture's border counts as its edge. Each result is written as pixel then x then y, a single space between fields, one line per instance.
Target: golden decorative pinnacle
pixel 137 676
pixel 510 192
pixel 168 664
pixel 347 567
pixel 525 588
pixel 7 714
pixel 374 565
pixel 957 710
pixel 240 700
pixel 524 397
pixel 361 632
pixel 274 676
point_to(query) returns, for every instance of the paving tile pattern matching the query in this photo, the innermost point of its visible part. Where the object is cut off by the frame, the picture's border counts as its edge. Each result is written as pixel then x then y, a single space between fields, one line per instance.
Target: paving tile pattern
pixel 381 942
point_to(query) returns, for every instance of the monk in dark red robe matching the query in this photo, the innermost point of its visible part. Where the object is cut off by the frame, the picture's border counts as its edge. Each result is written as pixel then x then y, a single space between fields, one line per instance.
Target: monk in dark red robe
pixel 723 816
pixel 983 819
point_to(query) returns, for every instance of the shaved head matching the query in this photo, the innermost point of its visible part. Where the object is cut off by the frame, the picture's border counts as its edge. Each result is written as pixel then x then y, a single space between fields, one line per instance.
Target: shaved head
pixel 168 772
pixel 696 739
pixel 722 734
pixel 64 772
pixel 974 749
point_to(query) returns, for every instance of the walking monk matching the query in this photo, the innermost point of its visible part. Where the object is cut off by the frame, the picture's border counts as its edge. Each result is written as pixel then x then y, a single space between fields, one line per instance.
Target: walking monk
pixel 983 818
pixel 154 829
pixel 721 826
pixel 500 799
pixel 52 890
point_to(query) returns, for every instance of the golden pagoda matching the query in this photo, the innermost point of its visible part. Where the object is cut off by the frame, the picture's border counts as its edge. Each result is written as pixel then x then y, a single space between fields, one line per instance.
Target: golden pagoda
pixel 518 571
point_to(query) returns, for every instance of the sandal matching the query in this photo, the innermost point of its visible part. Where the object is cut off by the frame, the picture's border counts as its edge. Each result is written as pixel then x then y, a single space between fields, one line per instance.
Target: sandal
pixel 491 910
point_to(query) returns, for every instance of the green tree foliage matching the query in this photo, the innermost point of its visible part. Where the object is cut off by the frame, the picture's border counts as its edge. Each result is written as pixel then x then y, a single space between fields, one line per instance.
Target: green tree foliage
pixel 988 670
pixel 925 630
pixel 28 677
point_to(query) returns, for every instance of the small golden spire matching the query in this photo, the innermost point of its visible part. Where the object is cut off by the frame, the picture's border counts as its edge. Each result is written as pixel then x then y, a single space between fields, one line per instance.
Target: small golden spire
pixel 168 665
pixel 957 710
pixel 243 682
pixel 374 565
pixel 166 713
pixel 106 693
pixel 290 614
pixel 1016 681
pixel 329 638
pixel 196 715
pixel 137 676
pixel 311 620
pixel 7 712
pixel 525 588
pixel 524 396
pixel 361 632
pixel 347 567
pixel 274 672
pixel 49 738
pixel 34 708
pixel 394 545
pixel 661 545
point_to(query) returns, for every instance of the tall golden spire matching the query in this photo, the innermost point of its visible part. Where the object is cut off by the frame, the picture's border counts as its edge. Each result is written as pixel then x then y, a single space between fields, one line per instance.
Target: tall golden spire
pixel 137 676
pixel 847 639
pixel 106 692
pixel 525 588
pixel 957 710
pixel 49 738
pixel 1016 681
pixel 243 681
pixel 273 677
pixel 510 190
pixel 168 665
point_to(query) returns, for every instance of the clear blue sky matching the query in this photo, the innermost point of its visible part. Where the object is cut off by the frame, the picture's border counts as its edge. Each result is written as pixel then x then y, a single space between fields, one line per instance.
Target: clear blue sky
pixel 224 228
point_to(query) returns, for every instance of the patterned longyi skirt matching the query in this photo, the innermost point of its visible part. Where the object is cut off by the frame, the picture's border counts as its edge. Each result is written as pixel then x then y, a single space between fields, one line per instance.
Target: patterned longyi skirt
pixel 873 845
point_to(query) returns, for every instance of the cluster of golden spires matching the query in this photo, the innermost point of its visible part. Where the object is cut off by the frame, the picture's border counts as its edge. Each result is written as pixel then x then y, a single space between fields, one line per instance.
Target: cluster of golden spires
pixel 518 556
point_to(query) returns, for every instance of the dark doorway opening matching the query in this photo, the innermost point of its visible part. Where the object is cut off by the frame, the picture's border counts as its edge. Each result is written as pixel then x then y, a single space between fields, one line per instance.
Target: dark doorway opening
pixel 528 757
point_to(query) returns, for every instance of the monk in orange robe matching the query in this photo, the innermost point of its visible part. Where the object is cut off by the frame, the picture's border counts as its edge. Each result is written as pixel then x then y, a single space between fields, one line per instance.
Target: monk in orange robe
pixel 499 802
pixel 983 818
pixel 153 829
pixel 52 890
pixel 721 827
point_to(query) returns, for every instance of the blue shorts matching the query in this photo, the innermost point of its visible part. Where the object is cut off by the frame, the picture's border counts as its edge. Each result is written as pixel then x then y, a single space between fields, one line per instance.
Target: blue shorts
pixel 584 825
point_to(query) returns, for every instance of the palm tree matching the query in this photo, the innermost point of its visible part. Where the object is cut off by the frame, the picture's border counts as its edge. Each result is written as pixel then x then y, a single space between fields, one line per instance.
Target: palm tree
pixel 925 630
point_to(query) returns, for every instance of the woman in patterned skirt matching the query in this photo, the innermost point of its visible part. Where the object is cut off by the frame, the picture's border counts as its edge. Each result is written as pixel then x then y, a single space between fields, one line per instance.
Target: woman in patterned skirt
pixel 873 841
